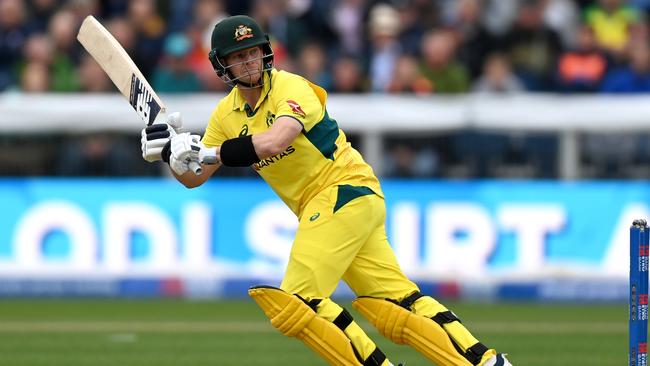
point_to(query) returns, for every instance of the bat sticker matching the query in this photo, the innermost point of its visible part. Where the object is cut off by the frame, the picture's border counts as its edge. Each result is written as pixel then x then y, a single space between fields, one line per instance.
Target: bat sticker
pixel 142 101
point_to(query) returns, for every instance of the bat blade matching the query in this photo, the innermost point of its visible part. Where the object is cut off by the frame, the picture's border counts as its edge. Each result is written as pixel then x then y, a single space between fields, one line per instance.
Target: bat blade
pixel 121 69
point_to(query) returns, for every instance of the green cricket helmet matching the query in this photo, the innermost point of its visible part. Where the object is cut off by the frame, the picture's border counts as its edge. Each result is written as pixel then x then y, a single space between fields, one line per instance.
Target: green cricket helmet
pixel 234 34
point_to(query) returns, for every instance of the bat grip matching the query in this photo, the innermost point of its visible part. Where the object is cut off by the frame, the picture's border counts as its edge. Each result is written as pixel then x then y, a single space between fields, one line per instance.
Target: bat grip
pixel 196 167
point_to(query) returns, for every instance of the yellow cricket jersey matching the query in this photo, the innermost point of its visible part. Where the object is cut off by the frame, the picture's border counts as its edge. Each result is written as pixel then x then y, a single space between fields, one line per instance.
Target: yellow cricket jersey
pixel 318 158
pixel 611 29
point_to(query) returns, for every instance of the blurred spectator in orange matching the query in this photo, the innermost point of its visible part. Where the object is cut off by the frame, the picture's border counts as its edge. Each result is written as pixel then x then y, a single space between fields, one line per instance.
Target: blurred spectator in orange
pixel 582 68
pixel 475 42
pixel 611 21
pixel 439 64
pixel 533 47
pixel 149 28
pixel 385 49
pixel 634 77
pixel 35 78
pixel 407 77
pixel 347 76
pixel 497 76
pixel 174 75
pixel 63 30
pixel 312 65
pixel 13 33
pixel 93 79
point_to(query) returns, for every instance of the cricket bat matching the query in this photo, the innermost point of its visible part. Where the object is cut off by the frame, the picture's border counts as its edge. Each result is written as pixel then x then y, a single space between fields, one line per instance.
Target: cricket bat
pixel 126 76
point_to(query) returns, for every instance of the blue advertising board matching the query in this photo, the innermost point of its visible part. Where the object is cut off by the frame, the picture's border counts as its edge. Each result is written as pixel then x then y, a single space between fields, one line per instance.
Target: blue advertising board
pixel 535 236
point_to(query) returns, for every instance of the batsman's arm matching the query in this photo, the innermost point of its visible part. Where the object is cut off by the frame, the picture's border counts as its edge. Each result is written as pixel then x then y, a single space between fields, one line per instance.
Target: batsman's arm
pixel 191 180
pixel 277 138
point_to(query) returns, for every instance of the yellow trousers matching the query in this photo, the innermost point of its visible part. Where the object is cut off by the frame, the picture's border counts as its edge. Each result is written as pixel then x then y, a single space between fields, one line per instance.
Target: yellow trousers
pixel 349 243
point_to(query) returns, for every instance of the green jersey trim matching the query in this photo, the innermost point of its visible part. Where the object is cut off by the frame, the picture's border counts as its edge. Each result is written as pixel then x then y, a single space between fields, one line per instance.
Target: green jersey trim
pixel 323 136
pixel 347 193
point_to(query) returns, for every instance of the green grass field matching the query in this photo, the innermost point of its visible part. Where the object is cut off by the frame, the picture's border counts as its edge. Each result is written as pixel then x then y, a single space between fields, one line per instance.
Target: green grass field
pixel 183 333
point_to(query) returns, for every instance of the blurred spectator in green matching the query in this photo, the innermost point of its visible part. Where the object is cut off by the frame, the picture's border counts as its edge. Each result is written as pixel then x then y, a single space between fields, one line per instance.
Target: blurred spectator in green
pixel 13 34
pixel 408 79
pixel 439 65
pixel 383 27
pixel 634 77
pixel 611 21
pixel 582 68
pixel 347 76
pixel 497 76
pixel 63 30
pixel 533 47
pixel 174 74
pixel 312 65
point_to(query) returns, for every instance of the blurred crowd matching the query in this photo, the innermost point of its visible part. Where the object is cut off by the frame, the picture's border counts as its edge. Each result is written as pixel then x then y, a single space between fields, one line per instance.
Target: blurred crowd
pixel 350 46
pixel 346 46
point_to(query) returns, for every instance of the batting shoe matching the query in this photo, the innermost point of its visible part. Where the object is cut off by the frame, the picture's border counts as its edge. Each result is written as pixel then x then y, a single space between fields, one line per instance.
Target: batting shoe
pixel 497 360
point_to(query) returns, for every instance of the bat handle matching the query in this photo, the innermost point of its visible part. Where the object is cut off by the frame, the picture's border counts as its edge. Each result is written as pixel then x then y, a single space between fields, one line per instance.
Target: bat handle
pixel 196 167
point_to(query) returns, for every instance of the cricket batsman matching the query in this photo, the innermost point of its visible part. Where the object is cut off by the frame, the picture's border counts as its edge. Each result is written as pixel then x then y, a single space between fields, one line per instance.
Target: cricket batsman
pixel 277 123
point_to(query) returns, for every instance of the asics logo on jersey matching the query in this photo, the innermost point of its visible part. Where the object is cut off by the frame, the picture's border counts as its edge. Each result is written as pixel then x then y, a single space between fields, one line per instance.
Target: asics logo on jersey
pixel 244 131
pixel 314 216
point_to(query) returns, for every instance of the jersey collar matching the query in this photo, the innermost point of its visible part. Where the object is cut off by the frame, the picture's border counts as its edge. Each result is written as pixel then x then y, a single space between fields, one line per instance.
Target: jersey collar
pixel 240 102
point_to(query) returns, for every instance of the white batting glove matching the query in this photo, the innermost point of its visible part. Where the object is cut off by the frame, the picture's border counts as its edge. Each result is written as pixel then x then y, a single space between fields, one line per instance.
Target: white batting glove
pixel 184 149
pixel 155 137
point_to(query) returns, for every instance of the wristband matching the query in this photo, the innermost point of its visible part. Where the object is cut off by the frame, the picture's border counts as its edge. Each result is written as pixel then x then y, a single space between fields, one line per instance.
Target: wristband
pixel 239 152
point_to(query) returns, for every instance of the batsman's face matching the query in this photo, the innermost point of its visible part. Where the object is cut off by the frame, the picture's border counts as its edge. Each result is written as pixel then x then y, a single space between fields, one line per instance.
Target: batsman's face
pixel 246 65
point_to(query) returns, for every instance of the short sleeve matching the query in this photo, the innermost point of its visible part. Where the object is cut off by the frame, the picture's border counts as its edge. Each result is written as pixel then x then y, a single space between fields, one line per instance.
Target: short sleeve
pixel 296 97
pixel 214 135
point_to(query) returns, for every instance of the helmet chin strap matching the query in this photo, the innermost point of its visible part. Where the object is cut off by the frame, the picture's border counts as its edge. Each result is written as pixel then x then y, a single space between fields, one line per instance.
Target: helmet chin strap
pixel 240 84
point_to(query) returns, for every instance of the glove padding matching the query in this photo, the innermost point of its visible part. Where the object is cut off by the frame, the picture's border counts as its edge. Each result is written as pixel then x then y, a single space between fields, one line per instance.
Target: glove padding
pixel 184 148
pixel 155 137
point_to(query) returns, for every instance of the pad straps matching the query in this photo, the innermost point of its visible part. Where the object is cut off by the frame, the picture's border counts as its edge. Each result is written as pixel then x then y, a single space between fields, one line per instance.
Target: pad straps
pixel 342 321
pixel 376 358
pixel 473 354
